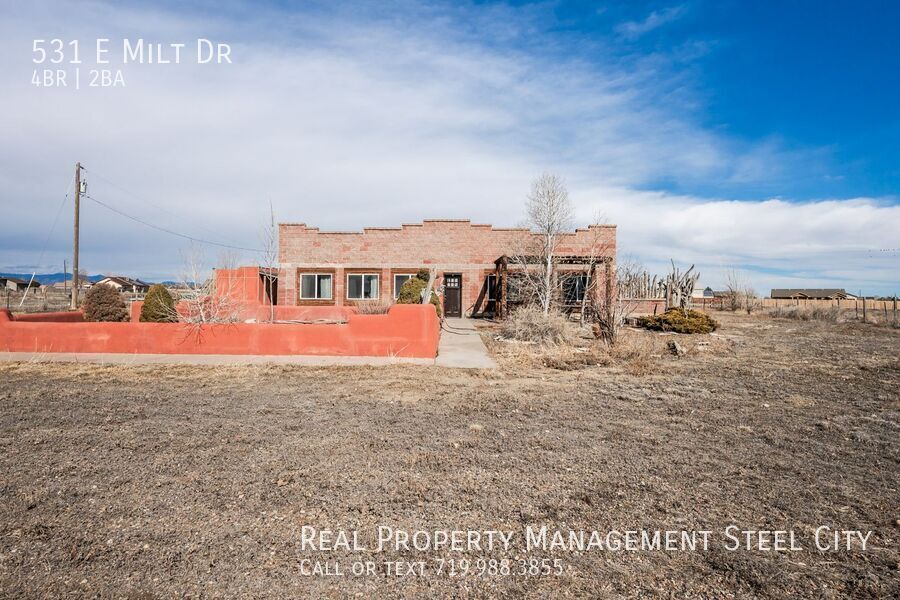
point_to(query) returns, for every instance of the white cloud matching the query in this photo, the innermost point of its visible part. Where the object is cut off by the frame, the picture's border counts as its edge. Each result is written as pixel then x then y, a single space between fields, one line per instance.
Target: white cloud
pixel 345 121
pixel 634 29
pixel 829 243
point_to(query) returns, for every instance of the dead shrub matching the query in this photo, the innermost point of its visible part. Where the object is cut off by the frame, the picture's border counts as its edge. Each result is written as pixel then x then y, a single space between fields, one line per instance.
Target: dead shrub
pixel 679 321
pixel 530 324
pixel 828 314
pixel 372 307
pixel 637 352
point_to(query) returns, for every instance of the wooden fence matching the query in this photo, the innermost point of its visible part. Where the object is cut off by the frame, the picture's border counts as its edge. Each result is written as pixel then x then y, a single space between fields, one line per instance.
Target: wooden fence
pixel 850 304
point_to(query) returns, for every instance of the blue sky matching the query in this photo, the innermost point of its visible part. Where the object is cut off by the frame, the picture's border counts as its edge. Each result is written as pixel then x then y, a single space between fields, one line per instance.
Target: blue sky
pixel 754 136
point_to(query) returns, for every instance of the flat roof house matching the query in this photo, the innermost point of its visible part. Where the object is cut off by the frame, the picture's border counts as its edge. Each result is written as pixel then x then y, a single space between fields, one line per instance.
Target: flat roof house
pixel 468 259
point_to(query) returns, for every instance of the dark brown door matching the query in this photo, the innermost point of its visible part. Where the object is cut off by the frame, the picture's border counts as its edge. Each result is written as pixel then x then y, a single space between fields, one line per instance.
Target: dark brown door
pixel 452 294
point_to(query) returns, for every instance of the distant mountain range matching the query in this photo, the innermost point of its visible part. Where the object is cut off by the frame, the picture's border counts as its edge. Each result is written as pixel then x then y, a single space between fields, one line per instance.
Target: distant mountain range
pixel 51 278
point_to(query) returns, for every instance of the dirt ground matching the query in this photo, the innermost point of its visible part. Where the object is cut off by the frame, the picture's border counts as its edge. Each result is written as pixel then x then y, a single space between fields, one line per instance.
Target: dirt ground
pixel 146 482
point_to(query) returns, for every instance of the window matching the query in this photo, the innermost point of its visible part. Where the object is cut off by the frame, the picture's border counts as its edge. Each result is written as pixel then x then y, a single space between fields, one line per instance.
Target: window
pixel 399 280
pixel 362 286
pixel 516 288
pixel 315 286
pixel 574 287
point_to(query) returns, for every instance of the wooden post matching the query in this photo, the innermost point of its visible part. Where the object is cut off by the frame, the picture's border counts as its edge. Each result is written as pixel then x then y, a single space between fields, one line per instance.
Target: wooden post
pixel 75 282
pixel 864 310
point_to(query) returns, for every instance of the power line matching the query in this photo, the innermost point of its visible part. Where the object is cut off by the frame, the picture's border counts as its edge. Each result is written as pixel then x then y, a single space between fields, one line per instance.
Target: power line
pixel 55 220
pixel 154 205
pixel 169 231
pixel 47 242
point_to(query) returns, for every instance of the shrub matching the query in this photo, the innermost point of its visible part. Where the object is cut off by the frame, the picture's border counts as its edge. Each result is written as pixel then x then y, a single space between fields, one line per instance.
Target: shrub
pixel 159 306
pixel 530 324
pixel 103 303
pixel 677 321
pixel 411 292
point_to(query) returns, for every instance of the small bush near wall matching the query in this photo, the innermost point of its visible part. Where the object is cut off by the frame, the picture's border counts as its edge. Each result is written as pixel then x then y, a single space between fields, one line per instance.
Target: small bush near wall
pixel 103 303
pixel 159 306
pixel 677 321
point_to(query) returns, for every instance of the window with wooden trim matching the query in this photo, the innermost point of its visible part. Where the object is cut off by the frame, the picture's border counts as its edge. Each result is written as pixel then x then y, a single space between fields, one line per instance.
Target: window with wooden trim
pixel 362 286
pixel 316 286
pixel 399 280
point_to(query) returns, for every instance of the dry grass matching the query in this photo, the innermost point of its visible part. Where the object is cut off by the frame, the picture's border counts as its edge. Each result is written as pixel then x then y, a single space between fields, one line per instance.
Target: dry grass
pixel 830 314
pixel 638 353
pixel 372 307
pixel 530 324
pixel 192 481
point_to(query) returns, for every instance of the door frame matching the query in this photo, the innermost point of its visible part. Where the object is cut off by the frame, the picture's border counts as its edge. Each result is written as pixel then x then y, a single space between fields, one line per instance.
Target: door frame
pixel 459 292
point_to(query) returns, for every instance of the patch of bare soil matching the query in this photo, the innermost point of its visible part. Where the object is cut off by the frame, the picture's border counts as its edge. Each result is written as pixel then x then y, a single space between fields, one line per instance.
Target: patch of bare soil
pixel 144 482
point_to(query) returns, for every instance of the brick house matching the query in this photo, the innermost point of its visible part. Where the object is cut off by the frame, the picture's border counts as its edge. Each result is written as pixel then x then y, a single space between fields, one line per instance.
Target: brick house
pixel 343 268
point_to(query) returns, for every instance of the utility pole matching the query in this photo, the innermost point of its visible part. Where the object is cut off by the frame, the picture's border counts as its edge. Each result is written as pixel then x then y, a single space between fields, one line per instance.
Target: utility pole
pixel 65 276
pixel 75 282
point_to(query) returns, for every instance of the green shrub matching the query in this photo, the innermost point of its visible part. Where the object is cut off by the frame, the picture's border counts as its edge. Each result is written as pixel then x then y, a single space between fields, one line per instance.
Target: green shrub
pixel 103 303
pixel 411 292
pixel 677 321
pixel 159 306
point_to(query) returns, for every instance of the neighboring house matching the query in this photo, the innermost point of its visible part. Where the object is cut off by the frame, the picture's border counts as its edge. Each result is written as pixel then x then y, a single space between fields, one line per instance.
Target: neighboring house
pixel 343 268
pixel 125 284
pixel 67 285
pixel 14 284
pixel 810 294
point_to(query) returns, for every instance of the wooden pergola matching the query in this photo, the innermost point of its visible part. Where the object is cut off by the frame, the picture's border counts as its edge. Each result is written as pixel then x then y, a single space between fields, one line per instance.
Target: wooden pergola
pixel 502 273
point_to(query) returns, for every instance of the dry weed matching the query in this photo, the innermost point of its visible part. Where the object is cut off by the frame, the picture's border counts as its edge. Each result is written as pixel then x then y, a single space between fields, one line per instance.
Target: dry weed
pixel 830 314
pixel 638 352
pixel 372 307
pixel 530 324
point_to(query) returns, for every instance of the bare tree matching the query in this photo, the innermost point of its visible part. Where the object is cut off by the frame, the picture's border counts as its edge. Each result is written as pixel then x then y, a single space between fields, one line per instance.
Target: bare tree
pixel 598 257
pixel 270 259
pixel 739 292
pixel 618 306
pixel 205 299
pixel 549 215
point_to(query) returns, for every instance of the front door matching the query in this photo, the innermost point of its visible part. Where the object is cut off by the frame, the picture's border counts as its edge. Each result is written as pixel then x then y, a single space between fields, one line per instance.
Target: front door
pixel 452 295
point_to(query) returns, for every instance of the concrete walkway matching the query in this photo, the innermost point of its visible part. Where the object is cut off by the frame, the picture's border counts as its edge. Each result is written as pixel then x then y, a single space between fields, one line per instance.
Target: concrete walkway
pixel 461 346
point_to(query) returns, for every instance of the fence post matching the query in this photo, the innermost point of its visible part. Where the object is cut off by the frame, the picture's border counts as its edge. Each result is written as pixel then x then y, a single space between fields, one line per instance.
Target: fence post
pixel 864 310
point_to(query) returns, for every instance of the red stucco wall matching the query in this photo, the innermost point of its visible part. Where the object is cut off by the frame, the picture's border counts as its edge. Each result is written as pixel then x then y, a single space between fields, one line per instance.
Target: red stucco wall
pixel 406 331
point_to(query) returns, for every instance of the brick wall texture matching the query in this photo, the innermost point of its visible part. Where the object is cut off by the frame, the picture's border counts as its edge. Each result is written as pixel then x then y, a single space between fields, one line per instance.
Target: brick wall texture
pixel 446 246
